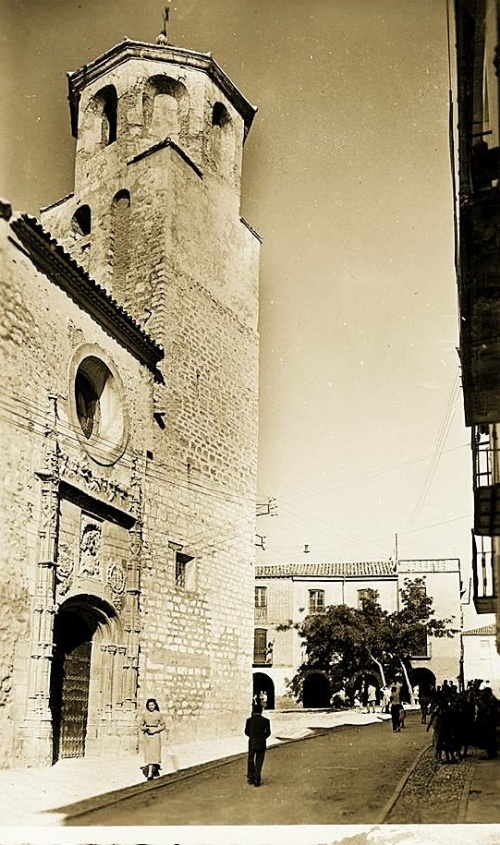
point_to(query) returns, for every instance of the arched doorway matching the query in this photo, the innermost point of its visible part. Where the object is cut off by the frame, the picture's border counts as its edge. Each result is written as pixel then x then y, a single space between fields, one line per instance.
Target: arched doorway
pixel 424 679
pixel 363 681
pixel 316 692
pixel 263 690
pixel 79 623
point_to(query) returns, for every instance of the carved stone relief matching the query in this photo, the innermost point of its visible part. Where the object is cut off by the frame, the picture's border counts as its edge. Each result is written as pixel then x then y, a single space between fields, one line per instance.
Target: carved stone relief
pixel 116 578
pixel 90 547
pixel 65 568
pixel 79 470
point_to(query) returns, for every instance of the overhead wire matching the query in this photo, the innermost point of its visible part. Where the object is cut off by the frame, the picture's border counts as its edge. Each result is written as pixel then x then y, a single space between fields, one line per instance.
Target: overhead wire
pixel 443 432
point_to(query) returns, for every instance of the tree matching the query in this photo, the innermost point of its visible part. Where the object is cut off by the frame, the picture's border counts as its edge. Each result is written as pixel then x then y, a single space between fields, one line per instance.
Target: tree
pixel 345 642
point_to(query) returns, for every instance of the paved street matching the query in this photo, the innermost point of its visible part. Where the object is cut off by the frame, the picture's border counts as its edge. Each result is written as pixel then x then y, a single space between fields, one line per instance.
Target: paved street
pixel 345 775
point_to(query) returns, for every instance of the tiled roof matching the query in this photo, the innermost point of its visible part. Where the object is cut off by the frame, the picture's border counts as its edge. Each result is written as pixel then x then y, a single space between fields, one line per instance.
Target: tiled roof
pixel 382 568
pixel 49 255
pixel 486 630
pixel 448 564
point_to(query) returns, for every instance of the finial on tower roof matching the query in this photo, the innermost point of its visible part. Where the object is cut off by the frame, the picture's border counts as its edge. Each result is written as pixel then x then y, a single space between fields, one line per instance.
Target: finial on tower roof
pixel 162 39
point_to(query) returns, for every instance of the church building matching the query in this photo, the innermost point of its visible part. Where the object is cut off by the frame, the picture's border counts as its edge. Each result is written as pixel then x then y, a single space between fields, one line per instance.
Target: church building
pixel 129 343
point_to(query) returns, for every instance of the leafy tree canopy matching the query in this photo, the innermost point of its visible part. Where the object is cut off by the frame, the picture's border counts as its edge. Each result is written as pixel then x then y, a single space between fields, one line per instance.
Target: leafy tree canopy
pixel 346 641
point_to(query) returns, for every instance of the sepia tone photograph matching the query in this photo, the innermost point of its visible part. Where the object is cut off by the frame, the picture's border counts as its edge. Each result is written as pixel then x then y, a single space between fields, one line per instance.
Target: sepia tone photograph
pixel 249 372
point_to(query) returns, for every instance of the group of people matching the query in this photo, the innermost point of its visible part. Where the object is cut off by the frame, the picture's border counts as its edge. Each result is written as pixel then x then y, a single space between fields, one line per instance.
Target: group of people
pixel 460 719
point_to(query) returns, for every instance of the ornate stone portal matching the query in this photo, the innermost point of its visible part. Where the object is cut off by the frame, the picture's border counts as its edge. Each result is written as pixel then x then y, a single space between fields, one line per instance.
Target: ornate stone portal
pixel 79 576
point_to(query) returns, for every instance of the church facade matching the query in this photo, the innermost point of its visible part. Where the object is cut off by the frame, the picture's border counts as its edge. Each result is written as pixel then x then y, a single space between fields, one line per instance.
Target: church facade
pixel 129 339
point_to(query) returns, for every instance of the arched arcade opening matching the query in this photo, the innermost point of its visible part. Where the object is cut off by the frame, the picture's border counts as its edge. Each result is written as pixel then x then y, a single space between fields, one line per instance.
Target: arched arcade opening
pixel 316 691
pixel 424 679
pixel 263 690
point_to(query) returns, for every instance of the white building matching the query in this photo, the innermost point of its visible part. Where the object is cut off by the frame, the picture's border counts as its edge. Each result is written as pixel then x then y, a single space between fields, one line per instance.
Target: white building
pixel 288 593
pixel 481 658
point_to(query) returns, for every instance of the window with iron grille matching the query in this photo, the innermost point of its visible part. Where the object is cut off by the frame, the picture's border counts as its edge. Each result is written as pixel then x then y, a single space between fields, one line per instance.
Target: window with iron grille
pixel 316 601
pixel 185 571
pixel 260 645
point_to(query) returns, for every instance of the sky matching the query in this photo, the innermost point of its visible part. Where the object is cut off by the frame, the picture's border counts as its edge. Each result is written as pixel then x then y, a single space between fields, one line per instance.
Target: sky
pixel 347 178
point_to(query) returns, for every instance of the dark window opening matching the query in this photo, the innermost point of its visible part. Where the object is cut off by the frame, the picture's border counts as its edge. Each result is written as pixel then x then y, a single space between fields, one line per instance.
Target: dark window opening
pixel 109 114
pixel 260 645
pixel 185 571
pixel 87 405
pixel 220 115
pixel 81 221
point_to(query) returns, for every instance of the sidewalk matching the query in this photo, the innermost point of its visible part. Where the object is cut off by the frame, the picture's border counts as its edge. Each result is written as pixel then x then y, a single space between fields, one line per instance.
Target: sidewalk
pixel 32 797
pixel 482 798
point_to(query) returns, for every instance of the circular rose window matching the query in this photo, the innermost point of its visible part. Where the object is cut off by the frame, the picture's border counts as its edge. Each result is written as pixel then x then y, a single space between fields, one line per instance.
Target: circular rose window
pixel 97 407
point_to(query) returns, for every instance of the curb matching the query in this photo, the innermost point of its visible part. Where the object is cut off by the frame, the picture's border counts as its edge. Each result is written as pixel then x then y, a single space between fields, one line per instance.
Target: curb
pixel 463 803
pixel 402 783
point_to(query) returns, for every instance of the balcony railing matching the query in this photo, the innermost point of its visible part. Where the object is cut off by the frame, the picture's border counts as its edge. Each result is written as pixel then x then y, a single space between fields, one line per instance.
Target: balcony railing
pixel 261 614
pixel 485 456
pixel 483 574
pixel 486 478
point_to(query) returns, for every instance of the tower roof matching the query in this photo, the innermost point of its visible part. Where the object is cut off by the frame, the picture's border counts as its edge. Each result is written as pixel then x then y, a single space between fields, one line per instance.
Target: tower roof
pixel 127 49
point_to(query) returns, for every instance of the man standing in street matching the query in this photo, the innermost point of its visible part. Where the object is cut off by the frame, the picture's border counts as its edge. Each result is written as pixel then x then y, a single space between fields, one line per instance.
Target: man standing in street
pixel 396 705
pixel 257 729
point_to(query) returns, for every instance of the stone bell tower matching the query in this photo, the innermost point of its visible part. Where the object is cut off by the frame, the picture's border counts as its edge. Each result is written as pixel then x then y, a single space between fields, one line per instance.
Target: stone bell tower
pixel 159 137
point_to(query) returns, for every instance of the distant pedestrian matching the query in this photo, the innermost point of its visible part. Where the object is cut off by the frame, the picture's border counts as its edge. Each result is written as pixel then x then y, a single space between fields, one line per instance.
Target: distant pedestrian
pixel 396 706
pixel 402 716
pixel 371 699
pixel 152 725
pixel 385 703
pixel 257 729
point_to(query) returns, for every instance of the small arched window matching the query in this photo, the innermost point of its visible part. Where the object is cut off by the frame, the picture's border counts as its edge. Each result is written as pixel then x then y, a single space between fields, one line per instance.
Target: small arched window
pixel 220 115
pixel 221 136
pixel 81 222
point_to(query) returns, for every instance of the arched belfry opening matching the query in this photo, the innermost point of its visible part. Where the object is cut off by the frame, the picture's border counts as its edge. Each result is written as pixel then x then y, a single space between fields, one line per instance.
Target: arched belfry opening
pixel 81 682
pixel 165 107
pixel 222 136
pixel 101 121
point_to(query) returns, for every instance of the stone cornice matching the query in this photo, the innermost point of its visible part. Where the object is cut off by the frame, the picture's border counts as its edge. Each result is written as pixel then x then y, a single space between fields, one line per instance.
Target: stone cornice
pixel 127 49
pixel 50 257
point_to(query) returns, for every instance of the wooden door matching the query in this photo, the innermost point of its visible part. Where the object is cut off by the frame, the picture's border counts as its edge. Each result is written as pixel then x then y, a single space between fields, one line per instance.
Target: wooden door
pixel 75 701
